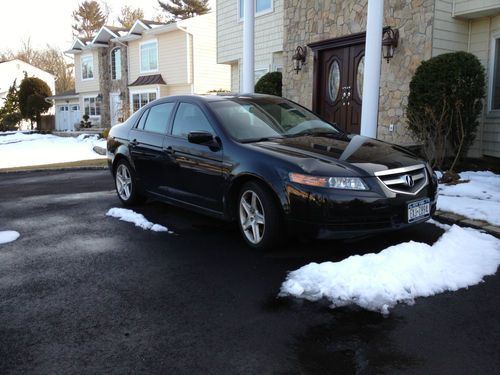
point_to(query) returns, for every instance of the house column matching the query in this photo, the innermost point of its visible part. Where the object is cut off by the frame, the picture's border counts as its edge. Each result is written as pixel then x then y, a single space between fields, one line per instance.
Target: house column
pixel 248 47
pixel 373 59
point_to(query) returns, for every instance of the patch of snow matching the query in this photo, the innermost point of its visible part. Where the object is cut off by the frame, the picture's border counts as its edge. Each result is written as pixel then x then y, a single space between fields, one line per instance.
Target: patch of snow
pixel 20 150
pixel 477 199
pixel 8 236
pixel 438 224
pixel 138 219
pixel 400 273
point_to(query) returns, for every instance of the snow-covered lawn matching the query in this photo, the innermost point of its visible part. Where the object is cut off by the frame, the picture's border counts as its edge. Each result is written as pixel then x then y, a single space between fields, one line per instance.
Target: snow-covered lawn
pixel 138 219
pixel 400 273
pixel 21 150
pixel 477 199
pixel 8 236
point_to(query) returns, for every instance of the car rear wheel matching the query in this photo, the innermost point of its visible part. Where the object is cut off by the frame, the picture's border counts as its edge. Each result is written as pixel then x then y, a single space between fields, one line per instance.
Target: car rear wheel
pixel 259 217
pixel 126 185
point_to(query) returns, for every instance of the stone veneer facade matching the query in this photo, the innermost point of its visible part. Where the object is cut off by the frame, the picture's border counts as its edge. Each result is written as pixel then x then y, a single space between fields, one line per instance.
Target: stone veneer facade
pixel 307 21
pixel 109 85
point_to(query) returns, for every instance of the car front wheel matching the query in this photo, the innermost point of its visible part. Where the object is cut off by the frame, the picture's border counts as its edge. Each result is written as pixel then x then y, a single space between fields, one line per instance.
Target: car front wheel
pixel 259 218
pixel 126 186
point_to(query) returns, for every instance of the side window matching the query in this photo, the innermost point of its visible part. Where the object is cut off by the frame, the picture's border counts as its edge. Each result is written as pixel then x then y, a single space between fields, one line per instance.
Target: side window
pixel 140 124
pixel 188 118
pixel 157 120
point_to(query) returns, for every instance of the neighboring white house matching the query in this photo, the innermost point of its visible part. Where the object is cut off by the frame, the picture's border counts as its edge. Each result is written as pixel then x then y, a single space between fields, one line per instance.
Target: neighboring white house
pixel 14 70
pixel 120 70
pixel 268 37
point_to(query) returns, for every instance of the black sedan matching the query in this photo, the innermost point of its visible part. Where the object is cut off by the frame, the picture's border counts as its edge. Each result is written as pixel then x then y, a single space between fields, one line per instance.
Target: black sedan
pixel 271 165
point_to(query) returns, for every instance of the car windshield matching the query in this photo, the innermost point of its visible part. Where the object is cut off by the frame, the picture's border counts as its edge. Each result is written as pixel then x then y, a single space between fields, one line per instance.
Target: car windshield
pixel 256 119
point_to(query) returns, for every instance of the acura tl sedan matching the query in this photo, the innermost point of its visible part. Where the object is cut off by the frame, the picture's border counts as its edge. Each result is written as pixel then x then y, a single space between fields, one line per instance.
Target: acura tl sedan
pixel 269 164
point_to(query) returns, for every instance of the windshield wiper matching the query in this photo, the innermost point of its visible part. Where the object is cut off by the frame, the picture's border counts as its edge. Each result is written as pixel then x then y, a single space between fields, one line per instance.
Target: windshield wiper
pixel 261 139
pixel 316 134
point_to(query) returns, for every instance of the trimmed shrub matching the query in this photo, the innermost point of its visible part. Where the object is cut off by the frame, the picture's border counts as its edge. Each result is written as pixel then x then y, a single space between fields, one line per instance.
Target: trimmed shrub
pixel 444 104
pixel 270 83
pixel 32 94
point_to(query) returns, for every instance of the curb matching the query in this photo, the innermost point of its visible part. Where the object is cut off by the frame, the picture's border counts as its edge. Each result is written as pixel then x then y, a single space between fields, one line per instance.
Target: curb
pixel 451 218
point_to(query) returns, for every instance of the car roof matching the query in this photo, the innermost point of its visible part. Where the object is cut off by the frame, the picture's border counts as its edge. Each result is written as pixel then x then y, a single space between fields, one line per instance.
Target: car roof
pixel 216 98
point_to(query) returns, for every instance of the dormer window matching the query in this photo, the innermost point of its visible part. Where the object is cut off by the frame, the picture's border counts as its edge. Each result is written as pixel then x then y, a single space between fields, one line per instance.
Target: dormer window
pixel 149 56
pixel 87 66
pixel 116 63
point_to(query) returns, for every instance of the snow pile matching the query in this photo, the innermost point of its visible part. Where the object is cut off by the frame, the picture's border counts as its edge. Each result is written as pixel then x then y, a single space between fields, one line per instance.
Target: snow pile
pixel 136 218
pixel 20 150
pixel 8 236
pixel 477 199
pixel 400 273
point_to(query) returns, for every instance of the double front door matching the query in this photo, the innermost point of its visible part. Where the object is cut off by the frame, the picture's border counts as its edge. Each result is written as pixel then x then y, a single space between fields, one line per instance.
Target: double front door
pixel 339 85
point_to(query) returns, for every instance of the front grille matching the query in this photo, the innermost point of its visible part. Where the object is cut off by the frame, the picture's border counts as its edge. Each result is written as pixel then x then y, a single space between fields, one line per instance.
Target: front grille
pixel 406 180
pixel 362 222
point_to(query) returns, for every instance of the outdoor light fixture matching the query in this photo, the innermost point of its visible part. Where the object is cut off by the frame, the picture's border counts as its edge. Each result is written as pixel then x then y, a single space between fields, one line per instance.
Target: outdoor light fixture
pixel 99 97
pixel 390 42
pixel 299 58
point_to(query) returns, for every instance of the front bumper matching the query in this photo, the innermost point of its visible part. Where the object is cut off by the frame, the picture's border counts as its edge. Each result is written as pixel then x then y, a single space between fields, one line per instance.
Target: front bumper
pixel 328 213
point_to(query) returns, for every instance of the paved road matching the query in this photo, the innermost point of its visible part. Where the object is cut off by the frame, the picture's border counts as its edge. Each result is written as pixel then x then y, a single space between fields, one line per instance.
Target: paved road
pixel 81 293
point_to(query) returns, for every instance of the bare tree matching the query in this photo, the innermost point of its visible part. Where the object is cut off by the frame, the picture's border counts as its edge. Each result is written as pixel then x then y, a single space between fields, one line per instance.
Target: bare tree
pixel 129 15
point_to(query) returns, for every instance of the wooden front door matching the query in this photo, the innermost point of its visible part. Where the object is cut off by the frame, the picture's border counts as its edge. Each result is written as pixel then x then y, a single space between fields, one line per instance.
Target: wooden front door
pixel 338 81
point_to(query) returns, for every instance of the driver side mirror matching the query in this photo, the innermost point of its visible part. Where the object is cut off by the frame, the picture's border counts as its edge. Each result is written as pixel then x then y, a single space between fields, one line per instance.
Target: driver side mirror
pixel 202 138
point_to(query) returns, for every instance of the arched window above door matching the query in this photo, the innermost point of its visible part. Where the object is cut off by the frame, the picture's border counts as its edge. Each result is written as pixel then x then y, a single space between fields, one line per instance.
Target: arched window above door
pixel 116 63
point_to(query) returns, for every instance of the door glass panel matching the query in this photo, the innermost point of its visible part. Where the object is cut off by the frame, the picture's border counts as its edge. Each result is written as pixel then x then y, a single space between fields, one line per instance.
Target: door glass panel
pixel 158 118
pixel 188 118
pixel 359 76
pixel 334 81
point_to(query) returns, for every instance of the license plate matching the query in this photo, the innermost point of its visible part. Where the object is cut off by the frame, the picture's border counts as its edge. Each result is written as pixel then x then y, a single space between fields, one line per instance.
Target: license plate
pixel 419 210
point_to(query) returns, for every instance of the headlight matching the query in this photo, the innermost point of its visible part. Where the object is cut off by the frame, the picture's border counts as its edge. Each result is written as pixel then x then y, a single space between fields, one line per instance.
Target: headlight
pixel 344 183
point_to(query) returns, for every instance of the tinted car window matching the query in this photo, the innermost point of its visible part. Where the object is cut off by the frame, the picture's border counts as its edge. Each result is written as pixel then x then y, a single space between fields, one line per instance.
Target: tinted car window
pixel 159 115
pixel 188 118
pixel 256 118
pixel 140 124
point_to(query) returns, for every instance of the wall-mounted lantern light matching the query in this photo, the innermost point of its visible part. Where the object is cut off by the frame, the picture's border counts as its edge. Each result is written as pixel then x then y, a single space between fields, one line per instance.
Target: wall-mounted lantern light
pixel 390 42
pixel 299 58
pixel 99 97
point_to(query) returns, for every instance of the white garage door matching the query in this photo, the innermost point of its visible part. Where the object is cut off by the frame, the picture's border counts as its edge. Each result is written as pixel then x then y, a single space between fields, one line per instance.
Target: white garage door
pixel 67 116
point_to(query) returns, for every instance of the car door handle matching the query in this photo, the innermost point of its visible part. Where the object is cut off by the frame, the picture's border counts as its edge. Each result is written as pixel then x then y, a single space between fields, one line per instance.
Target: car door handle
pixel 133 143
pixel 168 150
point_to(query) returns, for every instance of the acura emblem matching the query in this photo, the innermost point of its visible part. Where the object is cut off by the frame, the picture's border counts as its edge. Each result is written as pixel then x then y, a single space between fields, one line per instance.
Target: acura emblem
pixel 408 180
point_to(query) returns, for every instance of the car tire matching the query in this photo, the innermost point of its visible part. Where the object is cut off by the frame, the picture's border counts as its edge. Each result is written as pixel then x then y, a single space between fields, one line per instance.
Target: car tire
pixel 126 184
pixel 259 217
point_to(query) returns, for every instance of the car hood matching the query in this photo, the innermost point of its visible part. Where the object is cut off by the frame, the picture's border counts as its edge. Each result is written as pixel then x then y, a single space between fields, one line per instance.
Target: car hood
pixel 349 155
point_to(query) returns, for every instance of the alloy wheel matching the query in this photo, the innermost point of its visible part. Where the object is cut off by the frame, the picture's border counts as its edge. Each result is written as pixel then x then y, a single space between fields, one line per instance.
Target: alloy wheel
pixel 123 182
pixel 252 216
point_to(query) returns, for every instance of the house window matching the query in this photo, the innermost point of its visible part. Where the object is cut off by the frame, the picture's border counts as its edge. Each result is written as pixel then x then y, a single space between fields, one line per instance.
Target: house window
pixel 261 7
pixel 495 86
pixel 140 99
pixel 92 106
pixel 116 63
pixel 87 64
pixel 149 56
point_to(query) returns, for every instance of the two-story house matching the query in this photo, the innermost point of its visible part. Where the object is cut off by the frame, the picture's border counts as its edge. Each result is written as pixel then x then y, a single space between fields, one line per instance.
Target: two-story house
pixel 120 70
pixel 332 32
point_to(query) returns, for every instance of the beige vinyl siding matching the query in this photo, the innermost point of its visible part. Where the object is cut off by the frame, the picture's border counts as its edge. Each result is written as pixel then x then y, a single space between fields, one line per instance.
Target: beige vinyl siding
pixel 179 90
pixel 235 77
pixel 83 86
pixel 268 36
pixel 207 74
pixel 172 57
pixel 449 34
pixel 491 130
pixel 475 8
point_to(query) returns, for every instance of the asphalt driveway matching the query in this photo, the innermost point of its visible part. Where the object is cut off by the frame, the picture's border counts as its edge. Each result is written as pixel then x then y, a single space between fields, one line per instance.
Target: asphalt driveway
pixel 84 293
